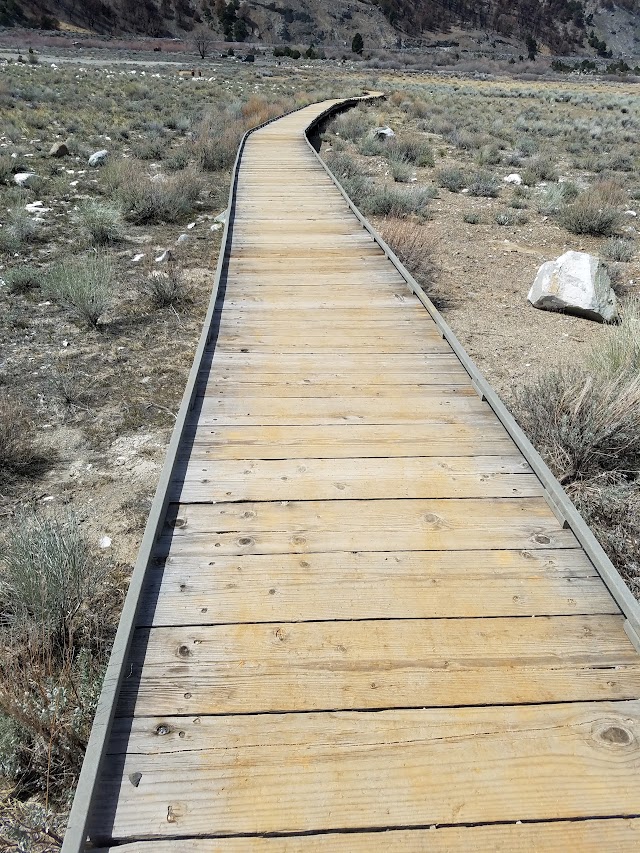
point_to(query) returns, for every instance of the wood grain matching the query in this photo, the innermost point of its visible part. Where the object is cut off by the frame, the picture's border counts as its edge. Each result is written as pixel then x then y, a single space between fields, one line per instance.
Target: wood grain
pixel 343 479
pixel 208 590
pixel 315 666
pixel 615 835
pixel 312 772
pixel 482 435
pixel 378 525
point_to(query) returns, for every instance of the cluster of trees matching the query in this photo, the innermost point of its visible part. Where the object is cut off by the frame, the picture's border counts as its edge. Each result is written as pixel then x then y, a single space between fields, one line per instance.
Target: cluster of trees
pixel 294 53
pixel 233 17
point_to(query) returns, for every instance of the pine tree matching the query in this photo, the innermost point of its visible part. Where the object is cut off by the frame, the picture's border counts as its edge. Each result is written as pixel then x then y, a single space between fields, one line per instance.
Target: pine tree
pixel 357 45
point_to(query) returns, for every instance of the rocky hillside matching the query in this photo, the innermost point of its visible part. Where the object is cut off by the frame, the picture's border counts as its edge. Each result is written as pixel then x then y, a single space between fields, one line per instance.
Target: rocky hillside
pixel 564 26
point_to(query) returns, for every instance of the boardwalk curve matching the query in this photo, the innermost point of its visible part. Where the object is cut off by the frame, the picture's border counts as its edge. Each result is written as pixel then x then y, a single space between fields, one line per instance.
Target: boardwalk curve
pixel 364 616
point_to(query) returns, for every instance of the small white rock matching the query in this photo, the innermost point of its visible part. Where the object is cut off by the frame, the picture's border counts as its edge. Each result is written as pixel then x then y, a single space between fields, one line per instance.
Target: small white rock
pixel 137 258
pixel 183 238
pixel 105 542
pixel 631 213
pixel 164 257
pixel 513 179
pixel 191 225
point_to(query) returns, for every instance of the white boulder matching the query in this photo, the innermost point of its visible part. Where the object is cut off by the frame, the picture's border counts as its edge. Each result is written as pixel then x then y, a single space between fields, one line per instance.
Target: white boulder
pixel 99 158
pixel 575 283
pixel 513 179
pixel 384 132
pixel 25 179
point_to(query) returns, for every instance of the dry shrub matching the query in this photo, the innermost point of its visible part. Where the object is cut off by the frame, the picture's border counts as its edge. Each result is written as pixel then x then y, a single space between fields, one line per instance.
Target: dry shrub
pixel 413 247
pixel 616 351
pixel 610 504
pixel 583 424
pixel 19 450
pixel 596 211
pixel 55 634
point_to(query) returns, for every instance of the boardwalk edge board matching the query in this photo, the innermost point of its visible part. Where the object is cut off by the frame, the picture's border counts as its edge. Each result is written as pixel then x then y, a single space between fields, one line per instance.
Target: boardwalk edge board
pixel 558 500
pixel 76 836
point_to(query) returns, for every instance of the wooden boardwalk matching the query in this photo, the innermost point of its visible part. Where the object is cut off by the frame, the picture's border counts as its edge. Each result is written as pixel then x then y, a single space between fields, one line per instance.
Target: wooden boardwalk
pixel 363 628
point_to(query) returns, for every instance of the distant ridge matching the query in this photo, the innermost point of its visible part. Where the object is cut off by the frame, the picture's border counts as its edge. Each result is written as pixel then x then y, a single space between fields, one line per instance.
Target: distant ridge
pixel 562 26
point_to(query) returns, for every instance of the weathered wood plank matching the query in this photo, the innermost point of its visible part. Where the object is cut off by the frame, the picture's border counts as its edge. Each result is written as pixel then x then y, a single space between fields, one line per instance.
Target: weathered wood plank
pixel 342 479
pixel 615 835
pixel 326 666
pixel 480 435
pixel 247 382
pixel 379 525
pixel 316 772
pixel 206 589
pixel 433 405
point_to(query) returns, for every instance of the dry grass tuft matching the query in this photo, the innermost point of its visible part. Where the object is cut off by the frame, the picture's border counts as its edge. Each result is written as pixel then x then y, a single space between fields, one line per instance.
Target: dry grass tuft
pixel 410 242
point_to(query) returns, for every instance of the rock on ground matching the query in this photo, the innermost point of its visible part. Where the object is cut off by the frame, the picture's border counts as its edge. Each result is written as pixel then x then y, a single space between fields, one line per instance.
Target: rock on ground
pixel 98 158
pixel 59 149
pixel 25 179
pixel 575 283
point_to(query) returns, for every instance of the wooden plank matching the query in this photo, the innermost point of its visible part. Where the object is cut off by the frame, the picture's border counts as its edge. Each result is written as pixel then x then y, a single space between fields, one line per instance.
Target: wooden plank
pixel 340 339
pixel 342 440
pixel 433 405
pixel 305 388
pixel 389 663
pixel 342 479
pixel 205 589
pixel 248 382
pixel 345 363
pixel 615 835
pixel 316 772
pixel 379 525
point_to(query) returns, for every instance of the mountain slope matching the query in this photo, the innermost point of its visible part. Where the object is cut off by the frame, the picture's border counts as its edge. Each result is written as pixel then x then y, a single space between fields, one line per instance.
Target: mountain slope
pixel 563 25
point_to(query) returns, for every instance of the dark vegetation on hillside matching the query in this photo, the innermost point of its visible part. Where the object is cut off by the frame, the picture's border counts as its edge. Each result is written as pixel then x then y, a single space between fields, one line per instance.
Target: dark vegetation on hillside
pixel 562 24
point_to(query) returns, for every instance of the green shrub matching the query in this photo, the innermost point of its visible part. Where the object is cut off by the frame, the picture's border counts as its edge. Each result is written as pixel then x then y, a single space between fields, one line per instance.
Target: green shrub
pixel 352 125
pixel 22 279
pixel 488 155
pixel 178 160
pixel 48 572
pixel 6 169
pixel 452 179
pixel 166 287
pixel 84 284
pixel 471 218
pixel 55 636
pixel 161 200
pixel 102 223
pixel 371 146
pixel 150 149
pixel 595 211
pixel 401 171
pixel 20 228
pixel 618 249
pixel 505 217
pixel 539 169
pixel 411 149
pixel 392 201
pixel 343 165
pixel 484 185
